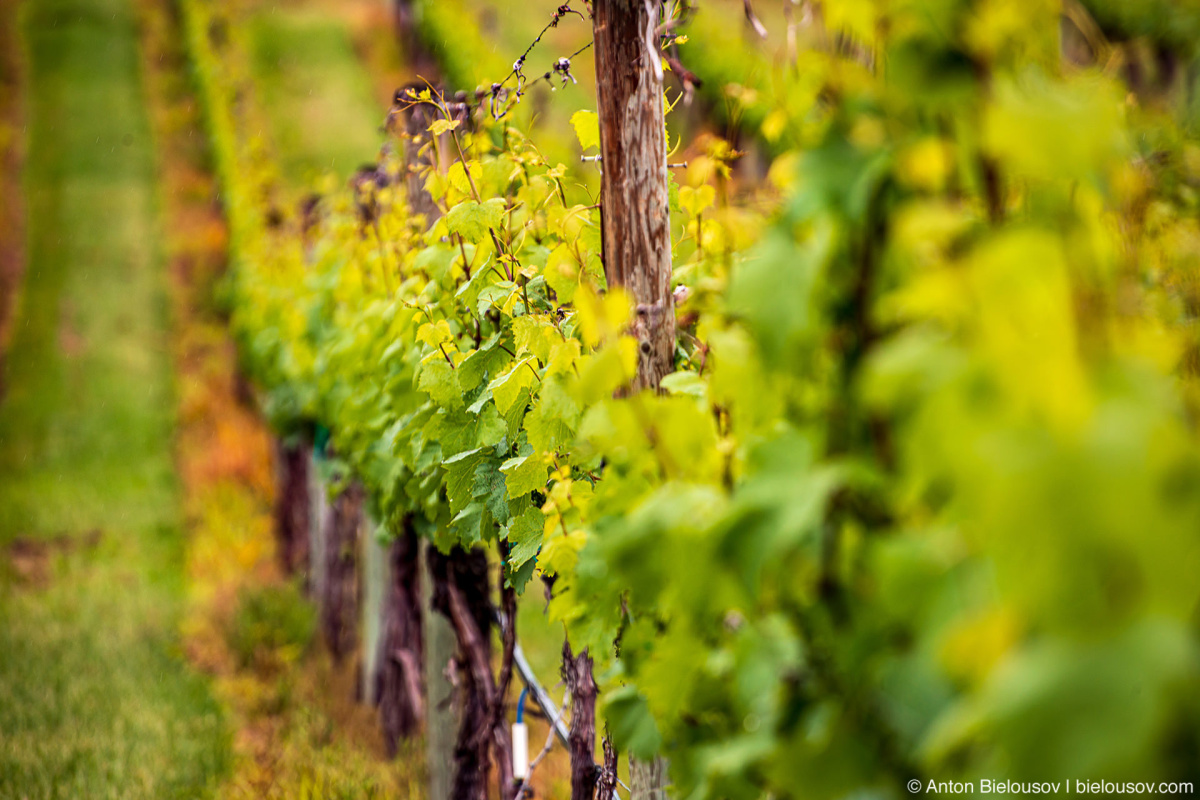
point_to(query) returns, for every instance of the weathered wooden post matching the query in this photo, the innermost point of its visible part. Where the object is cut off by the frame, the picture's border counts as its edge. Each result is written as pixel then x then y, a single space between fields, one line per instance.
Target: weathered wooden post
pixel 635 211
pixel 636 229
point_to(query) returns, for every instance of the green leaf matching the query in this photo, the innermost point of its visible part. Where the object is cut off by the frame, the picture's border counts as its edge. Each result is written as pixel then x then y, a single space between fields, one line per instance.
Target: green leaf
pixel 458 176
pixel 473 220
pixel 587 128
pixel 460 478
pixel 495 295
pixel 490 488
pixel 519 577
pixel 551 423
pixel 535 333
pixel 524 475
pixel 492 428
pixel 439 381
pixel 485 362
pixel 472 525
pixel 436 260
pixel 525 537
pixel 633 728
pixel 507 388
pixel 686 382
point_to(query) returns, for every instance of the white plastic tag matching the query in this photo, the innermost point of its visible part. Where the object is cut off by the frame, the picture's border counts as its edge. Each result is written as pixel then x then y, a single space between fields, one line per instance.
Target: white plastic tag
pixel 520 751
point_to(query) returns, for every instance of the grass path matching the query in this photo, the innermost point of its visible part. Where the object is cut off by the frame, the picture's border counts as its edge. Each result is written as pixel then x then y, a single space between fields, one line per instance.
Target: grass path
pixel 96 700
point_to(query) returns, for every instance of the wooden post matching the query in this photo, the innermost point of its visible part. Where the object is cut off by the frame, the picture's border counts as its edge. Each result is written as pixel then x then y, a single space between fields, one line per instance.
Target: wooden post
pixel 319 522
pixel 441 717
pixel 635 211
pixel 375 596
pixel 635 215
pixel 404 19
pixel 420 61
pixel 647 779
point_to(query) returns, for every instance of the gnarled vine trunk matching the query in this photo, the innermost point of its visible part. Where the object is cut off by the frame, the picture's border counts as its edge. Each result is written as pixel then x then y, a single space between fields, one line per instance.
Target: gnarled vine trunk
pixel 577 675
pixel 339 588
pixel 400 693
pixel 460 593
pixel 292 504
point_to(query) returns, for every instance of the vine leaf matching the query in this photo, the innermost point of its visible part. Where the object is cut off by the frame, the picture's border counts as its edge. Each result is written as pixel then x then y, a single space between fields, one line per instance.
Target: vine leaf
pixel 562 273
pixel 524 537
pixel 587 128
pixel 460 478
pixel 441 126
pixel 631 724
pixel 686 383
pixel 507 388
pixel 439 381
pixel 473 220
pixel 524 475
pixel 459 179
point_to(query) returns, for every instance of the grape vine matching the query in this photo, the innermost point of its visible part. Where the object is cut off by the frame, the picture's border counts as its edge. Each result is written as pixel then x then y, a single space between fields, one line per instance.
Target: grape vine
pixel 922 495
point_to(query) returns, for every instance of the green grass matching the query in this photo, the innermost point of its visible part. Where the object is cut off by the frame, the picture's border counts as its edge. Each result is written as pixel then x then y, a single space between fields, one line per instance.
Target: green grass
pixel 84 430
pixel 95 699
pixel 316 93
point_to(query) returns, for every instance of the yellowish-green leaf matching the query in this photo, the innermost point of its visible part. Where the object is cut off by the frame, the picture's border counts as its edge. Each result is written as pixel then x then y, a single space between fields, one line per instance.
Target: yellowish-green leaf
pixel 686 383
pixel 439 381
pixel 603 372
pixel 561 551
pixel 473 220
pixel 587 128
pixel 562 273
pixel 441 126
pixel 434 334
pixel 602 317
pixel 524 475
pixel 458 176
pixel 506 389
pixel 535 333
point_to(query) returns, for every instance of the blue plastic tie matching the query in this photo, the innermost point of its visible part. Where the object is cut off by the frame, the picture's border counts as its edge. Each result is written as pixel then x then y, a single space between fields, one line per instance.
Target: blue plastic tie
pixel 521 705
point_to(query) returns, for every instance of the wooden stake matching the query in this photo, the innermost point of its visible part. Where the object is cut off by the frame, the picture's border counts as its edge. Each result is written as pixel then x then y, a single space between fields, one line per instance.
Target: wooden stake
pixel 635 211
pixel 635 217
